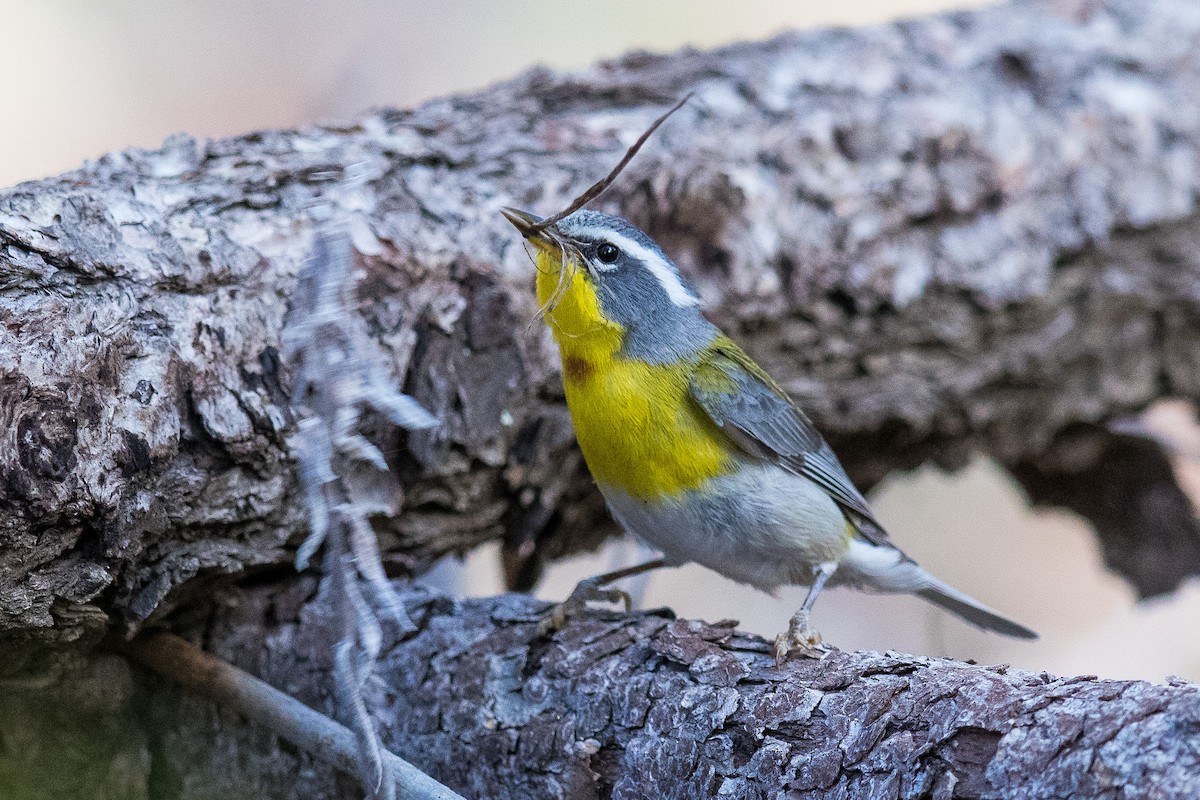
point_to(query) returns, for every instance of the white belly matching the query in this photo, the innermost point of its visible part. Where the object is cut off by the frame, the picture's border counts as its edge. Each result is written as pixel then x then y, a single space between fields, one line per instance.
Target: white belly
pixel 762 525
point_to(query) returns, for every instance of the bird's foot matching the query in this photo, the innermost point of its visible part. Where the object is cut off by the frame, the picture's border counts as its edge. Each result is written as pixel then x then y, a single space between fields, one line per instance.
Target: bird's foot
pixel 589 590
pixel 799 639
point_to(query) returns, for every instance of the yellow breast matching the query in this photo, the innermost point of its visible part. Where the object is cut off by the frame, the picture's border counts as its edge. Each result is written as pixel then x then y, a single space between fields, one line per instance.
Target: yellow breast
pixel 637 425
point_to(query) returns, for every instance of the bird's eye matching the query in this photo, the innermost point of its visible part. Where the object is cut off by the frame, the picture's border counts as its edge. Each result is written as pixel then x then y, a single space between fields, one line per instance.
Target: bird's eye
pixel 608 252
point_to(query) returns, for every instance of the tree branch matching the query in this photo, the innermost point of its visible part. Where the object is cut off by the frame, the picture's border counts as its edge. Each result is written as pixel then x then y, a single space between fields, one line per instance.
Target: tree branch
pixel 641 705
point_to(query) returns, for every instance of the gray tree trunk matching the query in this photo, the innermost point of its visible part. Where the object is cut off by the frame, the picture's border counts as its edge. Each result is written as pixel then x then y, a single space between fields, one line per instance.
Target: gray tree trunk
pixel 971 233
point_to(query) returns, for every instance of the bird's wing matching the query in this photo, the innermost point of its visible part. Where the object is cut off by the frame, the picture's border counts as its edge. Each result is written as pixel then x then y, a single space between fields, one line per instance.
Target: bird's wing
pixel 761 420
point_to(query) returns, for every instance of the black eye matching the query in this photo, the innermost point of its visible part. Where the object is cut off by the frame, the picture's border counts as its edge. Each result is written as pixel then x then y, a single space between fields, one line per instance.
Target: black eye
pixel 608 252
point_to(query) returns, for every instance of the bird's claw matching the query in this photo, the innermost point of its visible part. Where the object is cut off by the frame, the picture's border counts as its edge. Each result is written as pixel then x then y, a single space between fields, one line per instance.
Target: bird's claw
pixel 799 639
pixel 587 591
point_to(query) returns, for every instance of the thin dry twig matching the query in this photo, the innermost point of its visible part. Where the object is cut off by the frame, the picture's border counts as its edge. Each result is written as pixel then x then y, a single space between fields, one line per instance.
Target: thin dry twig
pixel 597 188
pixel 304 727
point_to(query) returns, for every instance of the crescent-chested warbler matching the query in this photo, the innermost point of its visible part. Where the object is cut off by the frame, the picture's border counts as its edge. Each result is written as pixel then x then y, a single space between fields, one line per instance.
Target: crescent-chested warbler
pixel 695 448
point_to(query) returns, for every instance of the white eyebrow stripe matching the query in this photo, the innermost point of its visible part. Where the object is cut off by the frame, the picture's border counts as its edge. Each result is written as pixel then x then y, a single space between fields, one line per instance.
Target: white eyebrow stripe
pixel 667 278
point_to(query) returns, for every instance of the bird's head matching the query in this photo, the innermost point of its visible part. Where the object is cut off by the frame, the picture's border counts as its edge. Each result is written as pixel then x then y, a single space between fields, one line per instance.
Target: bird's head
pixel 598 274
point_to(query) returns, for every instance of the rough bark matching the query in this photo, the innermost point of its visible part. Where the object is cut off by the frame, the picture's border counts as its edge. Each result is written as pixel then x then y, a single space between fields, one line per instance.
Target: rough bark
pixel 642 705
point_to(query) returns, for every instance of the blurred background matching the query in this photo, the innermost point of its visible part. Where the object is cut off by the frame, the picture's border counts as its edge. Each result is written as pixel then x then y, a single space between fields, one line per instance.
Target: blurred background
pixel 82 78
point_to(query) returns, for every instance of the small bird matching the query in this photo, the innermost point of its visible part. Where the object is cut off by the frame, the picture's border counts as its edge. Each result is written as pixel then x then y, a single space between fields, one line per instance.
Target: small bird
pixel 693 445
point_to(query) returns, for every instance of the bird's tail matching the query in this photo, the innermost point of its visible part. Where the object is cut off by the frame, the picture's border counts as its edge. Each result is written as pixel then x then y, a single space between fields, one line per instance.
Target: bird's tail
pixel 971 610
pixel 883 568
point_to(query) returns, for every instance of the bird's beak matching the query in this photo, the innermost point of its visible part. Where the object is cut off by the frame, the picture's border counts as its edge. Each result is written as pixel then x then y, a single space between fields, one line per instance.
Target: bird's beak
pixel 543 238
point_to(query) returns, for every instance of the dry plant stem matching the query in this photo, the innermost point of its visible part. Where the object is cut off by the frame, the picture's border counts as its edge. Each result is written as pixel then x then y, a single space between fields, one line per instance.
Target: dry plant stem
pixel 309 730
pixel 338 374
pixel 597 188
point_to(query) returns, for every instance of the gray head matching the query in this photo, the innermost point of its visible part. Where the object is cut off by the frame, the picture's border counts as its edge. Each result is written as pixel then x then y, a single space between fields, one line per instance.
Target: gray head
pixel 636 284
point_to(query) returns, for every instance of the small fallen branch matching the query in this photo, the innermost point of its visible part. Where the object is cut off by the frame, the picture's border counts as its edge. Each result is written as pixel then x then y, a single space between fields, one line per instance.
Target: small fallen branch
pixel 309 730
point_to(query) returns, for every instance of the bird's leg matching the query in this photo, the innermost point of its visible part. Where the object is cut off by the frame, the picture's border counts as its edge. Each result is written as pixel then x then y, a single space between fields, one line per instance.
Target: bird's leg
pixel 799 636
pixel 596 590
